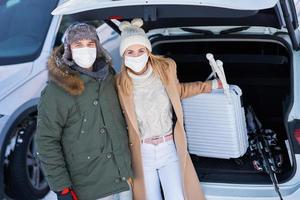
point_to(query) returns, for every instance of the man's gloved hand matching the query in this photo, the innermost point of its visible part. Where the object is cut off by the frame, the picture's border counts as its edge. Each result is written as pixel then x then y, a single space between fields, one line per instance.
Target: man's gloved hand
pixel 66 194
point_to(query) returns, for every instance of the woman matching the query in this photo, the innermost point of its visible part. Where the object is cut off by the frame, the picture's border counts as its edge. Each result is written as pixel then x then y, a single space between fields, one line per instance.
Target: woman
pixel 149 92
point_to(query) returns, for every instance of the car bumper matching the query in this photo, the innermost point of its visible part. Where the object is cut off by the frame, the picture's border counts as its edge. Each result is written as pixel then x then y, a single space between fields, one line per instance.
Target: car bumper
pixel 289 190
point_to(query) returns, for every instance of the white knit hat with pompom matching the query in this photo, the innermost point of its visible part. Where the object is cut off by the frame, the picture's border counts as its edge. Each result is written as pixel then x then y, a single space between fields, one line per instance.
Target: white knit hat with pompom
pixel 132 33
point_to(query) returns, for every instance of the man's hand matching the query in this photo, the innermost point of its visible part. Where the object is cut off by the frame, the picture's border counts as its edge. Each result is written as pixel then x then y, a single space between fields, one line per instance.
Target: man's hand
pixel 66 194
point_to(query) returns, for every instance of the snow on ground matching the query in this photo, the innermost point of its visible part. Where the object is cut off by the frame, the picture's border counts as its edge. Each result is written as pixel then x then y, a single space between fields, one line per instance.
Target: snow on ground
pixel 50 196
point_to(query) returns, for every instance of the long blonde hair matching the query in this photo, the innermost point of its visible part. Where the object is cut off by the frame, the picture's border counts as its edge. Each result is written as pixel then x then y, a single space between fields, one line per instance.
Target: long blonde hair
pixel 160 67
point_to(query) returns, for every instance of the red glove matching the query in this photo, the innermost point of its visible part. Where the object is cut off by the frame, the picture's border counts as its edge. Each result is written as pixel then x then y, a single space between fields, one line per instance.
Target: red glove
pixel 74 195
pixel 66 194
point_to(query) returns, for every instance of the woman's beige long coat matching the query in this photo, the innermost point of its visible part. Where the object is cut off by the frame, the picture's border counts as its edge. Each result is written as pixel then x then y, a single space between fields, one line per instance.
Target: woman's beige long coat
pixel 176 91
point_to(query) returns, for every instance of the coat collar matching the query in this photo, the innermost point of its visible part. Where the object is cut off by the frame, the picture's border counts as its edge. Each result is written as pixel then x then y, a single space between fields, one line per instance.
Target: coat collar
pixel 175 100
pixel 67 78
pixel 172 90
pixel 129 108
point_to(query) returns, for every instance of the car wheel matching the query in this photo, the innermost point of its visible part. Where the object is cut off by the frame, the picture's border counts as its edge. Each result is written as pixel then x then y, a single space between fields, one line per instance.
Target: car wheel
pixel 26 178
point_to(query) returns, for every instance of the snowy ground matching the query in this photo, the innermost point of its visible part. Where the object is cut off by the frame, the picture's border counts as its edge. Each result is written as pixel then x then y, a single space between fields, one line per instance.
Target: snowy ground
pixel 50 196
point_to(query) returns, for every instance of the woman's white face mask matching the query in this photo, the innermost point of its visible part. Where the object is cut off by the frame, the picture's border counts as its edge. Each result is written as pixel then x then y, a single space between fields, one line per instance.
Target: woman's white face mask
pixel 84 57
pixel 136 63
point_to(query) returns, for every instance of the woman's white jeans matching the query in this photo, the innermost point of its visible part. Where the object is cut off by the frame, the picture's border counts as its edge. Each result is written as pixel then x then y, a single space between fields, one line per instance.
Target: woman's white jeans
pixel 161 169
pixel 126 195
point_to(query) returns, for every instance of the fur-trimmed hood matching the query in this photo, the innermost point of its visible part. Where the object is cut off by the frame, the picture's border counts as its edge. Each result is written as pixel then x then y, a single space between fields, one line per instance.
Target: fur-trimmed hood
pixel 63 75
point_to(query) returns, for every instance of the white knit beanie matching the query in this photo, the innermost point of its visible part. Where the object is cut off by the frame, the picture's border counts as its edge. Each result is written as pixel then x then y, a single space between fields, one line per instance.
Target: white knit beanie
pixel 132 33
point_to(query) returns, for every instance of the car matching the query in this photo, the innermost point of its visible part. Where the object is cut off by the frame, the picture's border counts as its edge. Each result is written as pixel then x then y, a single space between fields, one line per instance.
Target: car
pixel 258 42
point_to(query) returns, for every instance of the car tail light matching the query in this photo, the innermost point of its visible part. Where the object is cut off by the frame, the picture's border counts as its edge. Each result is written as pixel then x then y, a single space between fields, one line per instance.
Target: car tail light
pixel 297 134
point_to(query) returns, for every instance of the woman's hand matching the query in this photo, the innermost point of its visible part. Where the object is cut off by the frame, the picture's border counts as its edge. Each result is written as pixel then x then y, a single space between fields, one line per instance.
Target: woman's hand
pixel 216 84
pixel 219 84
pixel 206 87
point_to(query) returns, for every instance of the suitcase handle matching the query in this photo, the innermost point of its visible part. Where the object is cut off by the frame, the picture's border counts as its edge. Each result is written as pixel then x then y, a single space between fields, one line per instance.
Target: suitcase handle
pixel 217 68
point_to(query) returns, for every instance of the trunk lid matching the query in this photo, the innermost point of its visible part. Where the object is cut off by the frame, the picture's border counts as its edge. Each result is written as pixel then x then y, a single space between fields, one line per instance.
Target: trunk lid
pixel 279 14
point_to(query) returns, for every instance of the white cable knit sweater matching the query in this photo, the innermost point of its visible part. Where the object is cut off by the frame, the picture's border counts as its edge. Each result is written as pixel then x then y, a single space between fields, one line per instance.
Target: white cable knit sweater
pixel 152 105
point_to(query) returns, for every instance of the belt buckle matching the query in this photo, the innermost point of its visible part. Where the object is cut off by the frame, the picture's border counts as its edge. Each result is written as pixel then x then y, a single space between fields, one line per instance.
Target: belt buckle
pixel 155 139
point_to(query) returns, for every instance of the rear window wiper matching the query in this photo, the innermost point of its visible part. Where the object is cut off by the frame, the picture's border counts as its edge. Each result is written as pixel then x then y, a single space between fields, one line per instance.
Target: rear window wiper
pixel 234 30
pixel 198 31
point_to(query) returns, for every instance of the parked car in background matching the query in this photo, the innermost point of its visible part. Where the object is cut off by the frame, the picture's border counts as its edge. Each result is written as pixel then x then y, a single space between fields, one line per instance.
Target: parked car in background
pixel 258 42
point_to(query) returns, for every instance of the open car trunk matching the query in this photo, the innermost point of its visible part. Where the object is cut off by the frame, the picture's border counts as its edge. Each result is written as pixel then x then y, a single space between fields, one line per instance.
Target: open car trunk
pixel 262 69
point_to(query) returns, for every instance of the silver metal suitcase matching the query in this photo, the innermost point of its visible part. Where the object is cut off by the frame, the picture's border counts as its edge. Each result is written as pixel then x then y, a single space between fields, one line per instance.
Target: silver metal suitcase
pixel 215 122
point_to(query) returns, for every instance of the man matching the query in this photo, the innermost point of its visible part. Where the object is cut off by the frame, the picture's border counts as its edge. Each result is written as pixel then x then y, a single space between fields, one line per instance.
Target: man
pixel 81 135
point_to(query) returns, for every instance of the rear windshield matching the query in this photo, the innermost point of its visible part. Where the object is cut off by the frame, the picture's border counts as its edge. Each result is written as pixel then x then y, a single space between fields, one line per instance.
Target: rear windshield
pixel 24 25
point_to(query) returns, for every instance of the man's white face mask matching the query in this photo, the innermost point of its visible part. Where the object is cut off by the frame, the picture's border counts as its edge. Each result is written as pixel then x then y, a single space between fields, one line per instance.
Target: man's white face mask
pixel 84 57
pixel 136 63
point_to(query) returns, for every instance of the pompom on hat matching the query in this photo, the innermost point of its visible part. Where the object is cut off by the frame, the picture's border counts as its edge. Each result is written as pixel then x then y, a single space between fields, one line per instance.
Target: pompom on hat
pixel 132 33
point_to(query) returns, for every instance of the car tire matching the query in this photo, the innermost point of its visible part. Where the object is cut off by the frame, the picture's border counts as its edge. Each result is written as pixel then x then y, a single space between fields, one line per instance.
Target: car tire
pixel 26 178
